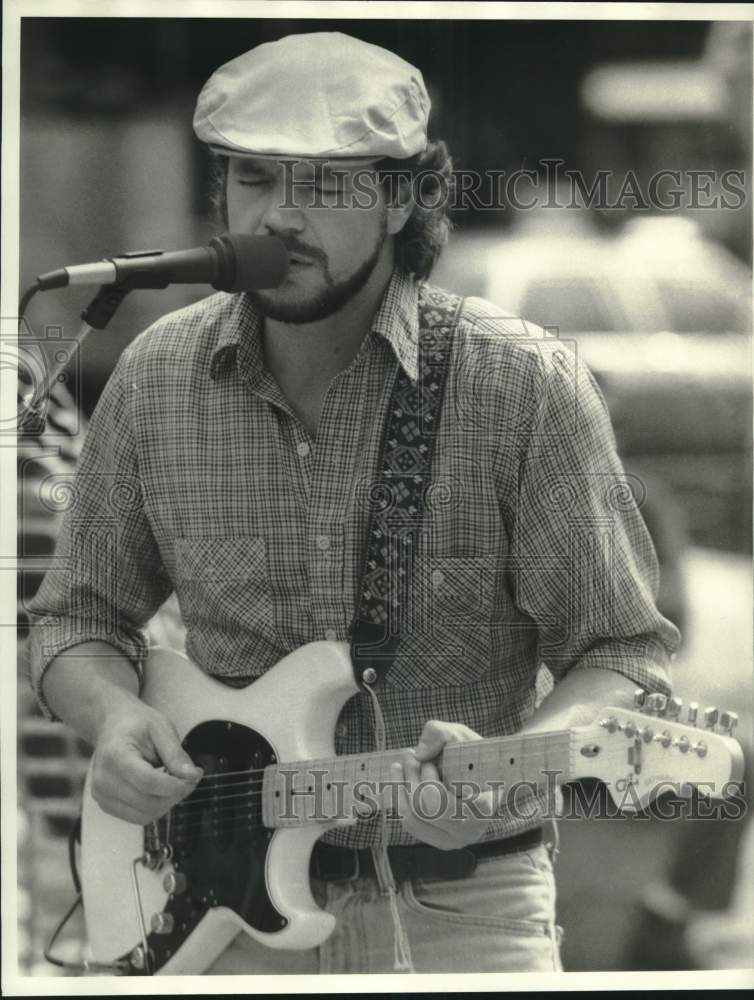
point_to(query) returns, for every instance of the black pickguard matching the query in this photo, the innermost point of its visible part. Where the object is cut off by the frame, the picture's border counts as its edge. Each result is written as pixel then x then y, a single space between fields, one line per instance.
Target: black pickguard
pixel 217 838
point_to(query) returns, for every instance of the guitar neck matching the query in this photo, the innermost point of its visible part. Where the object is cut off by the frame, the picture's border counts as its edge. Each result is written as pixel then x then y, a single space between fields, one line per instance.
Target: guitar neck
pixel 304 791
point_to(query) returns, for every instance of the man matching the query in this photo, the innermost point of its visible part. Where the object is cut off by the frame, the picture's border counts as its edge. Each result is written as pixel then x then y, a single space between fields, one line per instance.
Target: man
pixel 248 428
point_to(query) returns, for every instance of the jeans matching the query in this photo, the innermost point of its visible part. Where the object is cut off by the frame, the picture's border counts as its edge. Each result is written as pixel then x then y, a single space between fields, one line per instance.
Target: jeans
pixel 500 919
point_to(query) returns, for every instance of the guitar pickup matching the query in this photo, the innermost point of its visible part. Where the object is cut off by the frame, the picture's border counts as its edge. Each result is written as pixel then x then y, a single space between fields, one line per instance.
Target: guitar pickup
pixel 634 756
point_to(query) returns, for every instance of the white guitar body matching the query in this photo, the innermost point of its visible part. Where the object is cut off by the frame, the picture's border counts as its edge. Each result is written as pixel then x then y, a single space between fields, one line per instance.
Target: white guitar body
pixel 294 707
pixel 235 854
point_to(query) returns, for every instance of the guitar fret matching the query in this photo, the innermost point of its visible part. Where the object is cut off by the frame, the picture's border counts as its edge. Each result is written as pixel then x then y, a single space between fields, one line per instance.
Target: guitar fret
pixel 302 791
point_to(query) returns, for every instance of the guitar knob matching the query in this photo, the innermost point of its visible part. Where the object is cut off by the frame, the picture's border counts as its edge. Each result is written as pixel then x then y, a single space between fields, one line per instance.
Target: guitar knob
pixel 138 958
pixel 729 721
pixel 639 696
pixel 162 923
pixel 710 717
pixel 693 711
pixel 674 707
pixel 175 883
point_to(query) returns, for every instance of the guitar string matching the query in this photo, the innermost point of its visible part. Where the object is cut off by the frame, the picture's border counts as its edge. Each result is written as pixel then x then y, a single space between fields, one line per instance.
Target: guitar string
pixel 188 822
pixel 485 755
pixel 338 764
pixel 256 788
pixel 230 815
pixel 491 746
pixel 490 752
pixel 341 766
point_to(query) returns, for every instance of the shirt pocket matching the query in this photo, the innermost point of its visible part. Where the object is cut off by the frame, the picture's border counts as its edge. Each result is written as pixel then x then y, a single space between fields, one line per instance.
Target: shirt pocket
pixel 224 582
pixel 448 640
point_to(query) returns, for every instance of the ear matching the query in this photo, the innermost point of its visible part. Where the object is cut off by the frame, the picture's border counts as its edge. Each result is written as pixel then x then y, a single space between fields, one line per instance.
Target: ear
pixel 400 205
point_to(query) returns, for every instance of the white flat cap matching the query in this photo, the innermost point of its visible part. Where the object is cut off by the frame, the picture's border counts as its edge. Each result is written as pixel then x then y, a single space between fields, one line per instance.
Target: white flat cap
pixel 323 95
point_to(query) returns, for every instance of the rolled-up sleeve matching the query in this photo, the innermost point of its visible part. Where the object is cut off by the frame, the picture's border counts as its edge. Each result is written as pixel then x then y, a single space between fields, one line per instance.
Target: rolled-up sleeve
pixel 106 579
pixel 585 569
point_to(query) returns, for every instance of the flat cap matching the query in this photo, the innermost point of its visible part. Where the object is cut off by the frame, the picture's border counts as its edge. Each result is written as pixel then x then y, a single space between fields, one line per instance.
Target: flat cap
pixel 323 95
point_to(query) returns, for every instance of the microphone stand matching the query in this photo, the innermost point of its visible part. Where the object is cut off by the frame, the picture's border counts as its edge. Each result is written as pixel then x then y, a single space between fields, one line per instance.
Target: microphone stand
pixel 96 316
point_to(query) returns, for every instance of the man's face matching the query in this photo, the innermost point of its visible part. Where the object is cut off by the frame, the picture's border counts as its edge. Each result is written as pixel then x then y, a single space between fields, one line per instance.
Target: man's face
pixel 333 243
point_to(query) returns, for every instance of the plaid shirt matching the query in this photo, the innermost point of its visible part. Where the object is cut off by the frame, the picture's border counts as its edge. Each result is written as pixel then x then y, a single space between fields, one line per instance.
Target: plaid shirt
pixel 197 477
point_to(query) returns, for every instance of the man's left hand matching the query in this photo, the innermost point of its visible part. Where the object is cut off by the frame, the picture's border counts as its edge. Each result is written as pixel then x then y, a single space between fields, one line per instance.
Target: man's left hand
pixel 429 810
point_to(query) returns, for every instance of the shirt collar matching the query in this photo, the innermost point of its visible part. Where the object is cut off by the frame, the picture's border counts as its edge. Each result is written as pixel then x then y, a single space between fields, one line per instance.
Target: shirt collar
pixel 239 340
pixel 396 321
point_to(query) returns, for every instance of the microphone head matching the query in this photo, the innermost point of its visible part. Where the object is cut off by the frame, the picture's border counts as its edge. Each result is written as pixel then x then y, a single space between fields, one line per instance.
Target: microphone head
pixel 249 262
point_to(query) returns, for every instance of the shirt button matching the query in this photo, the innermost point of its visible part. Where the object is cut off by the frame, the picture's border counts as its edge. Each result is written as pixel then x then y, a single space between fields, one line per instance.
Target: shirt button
pixel 303 449
pixel 438 577
pixel 323 542
pixel 330 634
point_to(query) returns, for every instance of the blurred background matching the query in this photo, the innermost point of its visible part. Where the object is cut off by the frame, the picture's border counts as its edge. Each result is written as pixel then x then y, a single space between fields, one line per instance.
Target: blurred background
pixel 658 303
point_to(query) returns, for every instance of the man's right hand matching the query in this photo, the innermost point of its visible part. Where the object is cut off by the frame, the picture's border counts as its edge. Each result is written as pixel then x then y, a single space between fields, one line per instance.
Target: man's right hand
pixel 139 768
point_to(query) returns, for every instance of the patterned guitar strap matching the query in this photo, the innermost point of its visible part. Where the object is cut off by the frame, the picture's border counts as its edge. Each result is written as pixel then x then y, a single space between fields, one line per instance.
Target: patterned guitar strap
pixel 397 501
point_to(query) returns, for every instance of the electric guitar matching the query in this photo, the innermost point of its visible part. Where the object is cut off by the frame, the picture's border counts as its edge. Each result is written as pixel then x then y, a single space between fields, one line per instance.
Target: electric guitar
pixel 170 897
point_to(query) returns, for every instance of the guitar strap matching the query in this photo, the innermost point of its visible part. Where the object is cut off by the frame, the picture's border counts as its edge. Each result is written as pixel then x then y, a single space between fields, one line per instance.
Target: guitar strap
pixel 398 496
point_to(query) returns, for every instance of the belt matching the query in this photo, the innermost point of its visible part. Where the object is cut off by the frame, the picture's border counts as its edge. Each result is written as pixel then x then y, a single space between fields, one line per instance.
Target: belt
pixel 340 864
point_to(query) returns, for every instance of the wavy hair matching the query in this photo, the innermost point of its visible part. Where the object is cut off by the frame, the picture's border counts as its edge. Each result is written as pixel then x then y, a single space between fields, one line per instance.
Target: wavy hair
pixel 419 244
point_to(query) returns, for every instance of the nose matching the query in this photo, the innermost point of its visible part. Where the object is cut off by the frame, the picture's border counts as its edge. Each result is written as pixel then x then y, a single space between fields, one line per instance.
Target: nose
pixel 283 214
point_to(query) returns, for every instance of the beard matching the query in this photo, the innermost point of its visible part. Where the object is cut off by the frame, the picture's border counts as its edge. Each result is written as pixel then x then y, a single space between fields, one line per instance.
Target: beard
pixel 330 299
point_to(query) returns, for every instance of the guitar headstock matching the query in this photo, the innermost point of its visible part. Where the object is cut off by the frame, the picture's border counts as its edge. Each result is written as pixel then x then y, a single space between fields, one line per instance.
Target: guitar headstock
pixel 644 752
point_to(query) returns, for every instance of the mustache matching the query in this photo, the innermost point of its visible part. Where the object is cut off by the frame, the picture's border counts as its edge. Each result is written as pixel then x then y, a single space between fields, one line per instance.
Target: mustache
pixel 292 245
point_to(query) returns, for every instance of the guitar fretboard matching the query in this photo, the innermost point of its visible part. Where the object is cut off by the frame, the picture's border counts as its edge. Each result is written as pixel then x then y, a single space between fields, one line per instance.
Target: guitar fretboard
pixel 300 792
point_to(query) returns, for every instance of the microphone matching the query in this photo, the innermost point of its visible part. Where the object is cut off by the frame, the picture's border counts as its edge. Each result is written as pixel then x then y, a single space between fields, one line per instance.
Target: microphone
pixel 232 262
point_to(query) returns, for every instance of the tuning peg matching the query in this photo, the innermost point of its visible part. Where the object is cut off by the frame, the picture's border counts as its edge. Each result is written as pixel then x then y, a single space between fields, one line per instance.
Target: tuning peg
pixel 693 711
pixel 639 695
pixel 729 721
pixel 674 707
pixel 710 717
pixel 655 704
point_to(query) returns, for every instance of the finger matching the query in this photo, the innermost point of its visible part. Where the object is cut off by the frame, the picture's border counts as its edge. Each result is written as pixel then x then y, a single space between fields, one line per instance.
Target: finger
pixel 436 734
pixel 157 782
pixel 429 772
pixel 170 751
pixel 410 769
pixel 130 768
pixel 433 738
